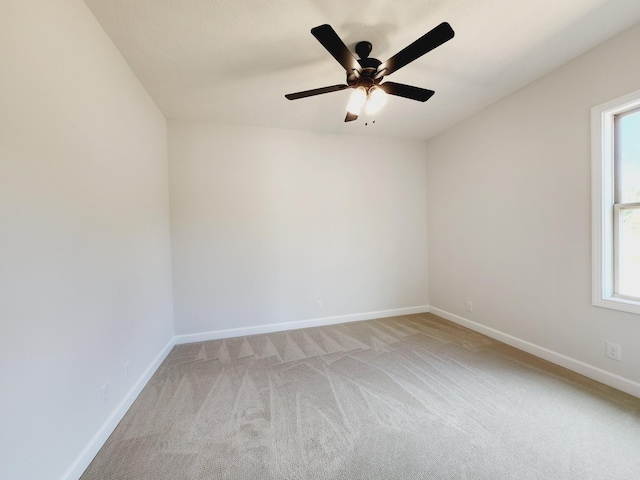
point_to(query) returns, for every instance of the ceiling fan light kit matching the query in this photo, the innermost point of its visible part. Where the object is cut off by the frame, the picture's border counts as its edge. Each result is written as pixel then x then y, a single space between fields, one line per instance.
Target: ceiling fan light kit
pixel 365 74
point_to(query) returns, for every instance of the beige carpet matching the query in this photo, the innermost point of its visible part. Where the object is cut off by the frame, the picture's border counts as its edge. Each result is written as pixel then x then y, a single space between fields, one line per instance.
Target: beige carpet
pixel 413 397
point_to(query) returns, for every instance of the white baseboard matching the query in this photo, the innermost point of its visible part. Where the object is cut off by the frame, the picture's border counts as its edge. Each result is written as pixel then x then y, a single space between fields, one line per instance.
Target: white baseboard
pixel 278 327
pixel 595 373
pixel 83 460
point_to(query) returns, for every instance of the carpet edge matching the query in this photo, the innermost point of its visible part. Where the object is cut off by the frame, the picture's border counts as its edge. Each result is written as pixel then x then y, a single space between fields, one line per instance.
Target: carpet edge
pixel 595 373
pixel 295 325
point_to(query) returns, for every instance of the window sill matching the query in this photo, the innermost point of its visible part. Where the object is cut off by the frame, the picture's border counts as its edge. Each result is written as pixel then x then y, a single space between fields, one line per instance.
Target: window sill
pixel 618 303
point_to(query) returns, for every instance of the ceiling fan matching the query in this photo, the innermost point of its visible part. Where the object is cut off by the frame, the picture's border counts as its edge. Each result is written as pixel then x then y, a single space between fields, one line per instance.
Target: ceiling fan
pixel 365 74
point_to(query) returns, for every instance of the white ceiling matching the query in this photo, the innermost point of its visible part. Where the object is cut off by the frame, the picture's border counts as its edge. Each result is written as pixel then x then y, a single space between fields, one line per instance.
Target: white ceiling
pixel 232 61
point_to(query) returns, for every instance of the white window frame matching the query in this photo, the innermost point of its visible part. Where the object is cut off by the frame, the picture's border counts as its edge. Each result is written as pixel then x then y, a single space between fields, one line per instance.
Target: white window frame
pixel 604 216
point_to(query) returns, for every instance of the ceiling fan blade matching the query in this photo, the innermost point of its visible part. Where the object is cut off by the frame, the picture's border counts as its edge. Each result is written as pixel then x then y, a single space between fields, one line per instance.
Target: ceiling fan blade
pixel 330 40
pixel 350 117
pixel 407 91
pixel 315 91
pixel 436 37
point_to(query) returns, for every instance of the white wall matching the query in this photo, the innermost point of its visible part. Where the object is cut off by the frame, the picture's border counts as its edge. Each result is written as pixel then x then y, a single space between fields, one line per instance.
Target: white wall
pixel 509 211
pixel 266 221
pixel 84 233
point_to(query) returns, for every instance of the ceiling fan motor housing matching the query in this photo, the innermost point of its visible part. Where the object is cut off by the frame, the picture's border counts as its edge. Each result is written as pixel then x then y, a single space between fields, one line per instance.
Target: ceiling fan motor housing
pixel 367 76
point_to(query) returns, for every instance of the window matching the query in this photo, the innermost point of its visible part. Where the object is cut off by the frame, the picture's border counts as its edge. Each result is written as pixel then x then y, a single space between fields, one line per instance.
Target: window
pixel 616 203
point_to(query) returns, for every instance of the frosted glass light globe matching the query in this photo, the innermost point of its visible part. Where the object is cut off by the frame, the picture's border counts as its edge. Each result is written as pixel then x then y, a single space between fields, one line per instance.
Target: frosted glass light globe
pixel 377 99
pixel 357 100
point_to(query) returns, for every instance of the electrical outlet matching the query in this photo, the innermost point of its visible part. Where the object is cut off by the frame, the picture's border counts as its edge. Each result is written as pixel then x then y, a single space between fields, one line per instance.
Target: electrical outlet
pixel 104 394
pixel 614 351
pixel 469 306
pixel 127 370
pixel 318 305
